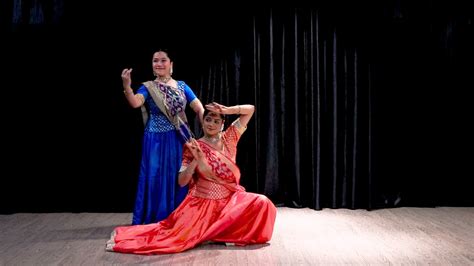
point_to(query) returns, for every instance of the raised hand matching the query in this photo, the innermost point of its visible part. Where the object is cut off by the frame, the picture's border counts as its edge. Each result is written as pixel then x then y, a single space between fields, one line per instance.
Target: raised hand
pixel 195 149
pixel 218 108
pixel 126 78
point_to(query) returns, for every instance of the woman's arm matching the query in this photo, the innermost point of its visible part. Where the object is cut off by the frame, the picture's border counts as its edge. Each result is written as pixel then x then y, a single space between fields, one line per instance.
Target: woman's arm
pixel 135 100
pixel 192 152
pixel 197 107
pixel 245 111
pixel 186 175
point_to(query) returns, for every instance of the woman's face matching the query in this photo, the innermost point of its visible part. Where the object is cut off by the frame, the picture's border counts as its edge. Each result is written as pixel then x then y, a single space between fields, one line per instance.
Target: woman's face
pixel 162 64
pixel 212 123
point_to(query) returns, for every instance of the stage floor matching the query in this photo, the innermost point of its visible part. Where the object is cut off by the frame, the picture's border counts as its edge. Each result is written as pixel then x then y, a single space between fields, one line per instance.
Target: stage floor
pixel 440 236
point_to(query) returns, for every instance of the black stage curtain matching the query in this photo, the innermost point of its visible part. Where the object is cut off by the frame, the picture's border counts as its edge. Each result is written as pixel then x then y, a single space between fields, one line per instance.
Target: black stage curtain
pixel 357 105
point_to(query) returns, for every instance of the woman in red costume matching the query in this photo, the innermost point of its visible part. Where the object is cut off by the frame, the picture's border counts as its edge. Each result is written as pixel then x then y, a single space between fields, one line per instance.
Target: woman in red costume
pixel 217 208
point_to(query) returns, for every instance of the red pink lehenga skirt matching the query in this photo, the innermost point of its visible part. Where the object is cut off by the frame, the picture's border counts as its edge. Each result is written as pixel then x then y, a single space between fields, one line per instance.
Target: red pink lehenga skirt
pixel 241 218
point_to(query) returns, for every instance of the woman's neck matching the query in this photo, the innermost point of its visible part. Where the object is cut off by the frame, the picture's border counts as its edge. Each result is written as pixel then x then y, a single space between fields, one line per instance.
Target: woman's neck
pixel 213 138
pixel 163 79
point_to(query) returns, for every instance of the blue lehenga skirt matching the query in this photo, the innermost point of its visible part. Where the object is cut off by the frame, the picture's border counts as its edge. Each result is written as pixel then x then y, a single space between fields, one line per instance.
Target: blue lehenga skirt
pixel 158 192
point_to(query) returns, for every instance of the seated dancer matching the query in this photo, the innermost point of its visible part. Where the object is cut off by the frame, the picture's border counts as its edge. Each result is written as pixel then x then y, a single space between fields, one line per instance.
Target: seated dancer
pixel 216 208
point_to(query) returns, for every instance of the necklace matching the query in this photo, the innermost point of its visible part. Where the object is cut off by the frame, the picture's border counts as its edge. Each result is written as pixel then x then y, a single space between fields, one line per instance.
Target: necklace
pixel 213 140
pixel 163 79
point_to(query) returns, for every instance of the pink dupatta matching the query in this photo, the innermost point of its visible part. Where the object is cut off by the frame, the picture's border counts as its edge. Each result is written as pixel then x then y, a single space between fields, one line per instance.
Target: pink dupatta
pixel 221 168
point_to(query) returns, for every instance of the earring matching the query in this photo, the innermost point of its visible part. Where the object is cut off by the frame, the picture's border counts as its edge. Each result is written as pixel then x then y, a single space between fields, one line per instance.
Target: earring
pixel 171 71
pixel 222 127
pixel 154 73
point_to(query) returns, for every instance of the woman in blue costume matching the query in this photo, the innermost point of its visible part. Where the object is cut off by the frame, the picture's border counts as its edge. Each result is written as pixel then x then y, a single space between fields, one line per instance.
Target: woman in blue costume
pixel 166 131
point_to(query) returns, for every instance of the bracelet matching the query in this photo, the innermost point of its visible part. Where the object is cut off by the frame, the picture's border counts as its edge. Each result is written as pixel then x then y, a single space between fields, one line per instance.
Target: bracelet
pixel 239 110
pixel 127 92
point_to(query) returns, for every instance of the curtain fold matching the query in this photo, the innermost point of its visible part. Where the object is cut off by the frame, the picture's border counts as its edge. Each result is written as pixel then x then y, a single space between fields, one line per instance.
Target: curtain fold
pixel 308 143
pixel 343 113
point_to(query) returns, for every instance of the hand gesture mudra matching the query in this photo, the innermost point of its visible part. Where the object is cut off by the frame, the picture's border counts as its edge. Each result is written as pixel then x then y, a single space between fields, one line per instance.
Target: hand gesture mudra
pixel 217 108
pixel 199 157
pixel 126 78
pixel 195 149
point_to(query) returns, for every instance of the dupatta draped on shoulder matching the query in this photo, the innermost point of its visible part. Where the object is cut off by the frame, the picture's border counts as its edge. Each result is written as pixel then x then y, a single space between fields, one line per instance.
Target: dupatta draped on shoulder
pixel 172 103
